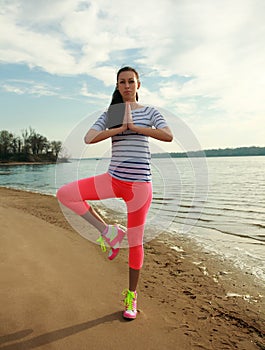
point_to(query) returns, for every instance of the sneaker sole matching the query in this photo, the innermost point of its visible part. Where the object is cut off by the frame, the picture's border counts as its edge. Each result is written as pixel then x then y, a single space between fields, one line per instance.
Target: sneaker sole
pixel 129 318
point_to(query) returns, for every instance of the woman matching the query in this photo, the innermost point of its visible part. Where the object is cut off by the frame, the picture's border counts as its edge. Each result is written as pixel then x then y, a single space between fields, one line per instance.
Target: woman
pixel 128 176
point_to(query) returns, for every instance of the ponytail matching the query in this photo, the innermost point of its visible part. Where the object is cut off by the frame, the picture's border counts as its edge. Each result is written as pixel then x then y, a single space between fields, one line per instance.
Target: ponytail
pixel 116 110
pixel 116 97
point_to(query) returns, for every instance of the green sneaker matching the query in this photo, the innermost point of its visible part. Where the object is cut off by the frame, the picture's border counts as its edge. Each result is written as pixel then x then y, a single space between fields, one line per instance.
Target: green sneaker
pixel 113 235
pixel 130 303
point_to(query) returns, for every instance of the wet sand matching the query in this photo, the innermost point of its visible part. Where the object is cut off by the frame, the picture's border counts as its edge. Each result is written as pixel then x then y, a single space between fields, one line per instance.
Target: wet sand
pixel 59 291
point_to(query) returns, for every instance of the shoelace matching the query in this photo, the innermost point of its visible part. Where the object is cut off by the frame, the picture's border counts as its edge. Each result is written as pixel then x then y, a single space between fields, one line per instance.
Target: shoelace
pixel 128 301
pixel 102 244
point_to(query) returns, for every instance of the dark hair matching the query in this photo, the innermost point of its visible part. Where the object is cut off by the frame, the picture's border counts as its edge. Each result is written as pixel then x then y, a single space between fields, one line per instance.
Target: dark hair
pixel 116 113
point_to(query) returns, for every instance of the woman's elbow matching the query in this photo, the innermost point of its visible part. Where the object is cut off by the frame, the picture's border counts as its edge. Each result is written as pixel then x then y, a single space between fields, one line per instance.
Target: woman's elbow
pixel 90 136
pixel 169 137
pixel 88 140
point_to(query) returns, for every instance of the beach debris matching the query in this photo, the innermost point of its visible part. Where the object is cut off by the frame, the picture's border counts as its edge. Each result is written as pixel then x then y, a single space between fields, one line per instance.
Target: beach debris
pixel 204 270
pixel 177 249
pixel 232 295
pixel 221 273
pixel 246 297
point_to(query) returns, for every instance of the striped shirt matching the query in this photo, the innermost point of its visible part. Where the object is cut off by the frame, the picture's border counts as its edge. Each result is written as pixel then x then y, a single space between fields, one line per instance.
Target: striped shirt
pixel 130 158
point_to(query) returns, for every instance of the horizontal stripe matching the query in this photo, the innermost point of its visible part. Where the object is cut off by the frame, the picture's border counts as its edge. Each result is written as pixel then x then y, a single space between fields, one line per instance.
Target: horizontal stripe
pixel 129 144
pixel 133 178
pixel 129 162
pixel 124 171
pixel 131 166
pixel 142 151
pixel 130 169
pixel 130 141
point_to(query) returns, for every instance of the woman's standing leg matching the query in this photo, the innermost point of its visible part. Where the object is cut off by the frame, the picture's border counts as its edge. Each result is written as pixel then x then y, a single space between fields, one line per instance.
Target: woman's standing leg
pixel 137 207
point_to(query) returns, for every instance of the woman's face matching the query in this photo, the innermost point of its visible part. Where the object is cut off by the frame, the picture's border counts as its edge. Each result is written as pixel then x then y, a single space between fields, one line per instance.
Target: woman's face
pixel 128 85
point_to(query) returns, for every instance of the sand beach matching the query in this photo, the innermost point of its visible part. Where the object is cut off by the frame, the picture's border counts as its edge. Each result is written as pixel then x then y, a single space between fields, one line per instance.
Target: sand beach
pixel 59 291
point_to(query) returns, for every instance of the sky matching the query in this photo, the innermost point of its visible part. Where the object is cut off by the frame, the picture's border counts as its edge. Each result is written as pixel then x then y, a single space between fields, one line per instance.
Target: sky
pixel 201 60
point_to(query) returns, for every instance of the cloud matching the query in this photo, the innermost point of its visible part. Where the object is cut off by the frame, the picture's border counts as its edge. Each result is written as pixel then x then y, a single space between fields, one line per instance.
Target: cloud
pixel 22 87
pixel 59 37
pixel 85 92
pixel 218 46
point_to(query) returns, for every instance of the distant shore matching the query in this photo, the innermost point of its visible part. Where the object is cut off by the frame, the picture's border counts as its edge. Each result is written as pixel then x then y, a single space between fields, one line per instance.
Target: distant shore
pixel 252 151
pixel 32 163
pixel 225 152
pixel 25 163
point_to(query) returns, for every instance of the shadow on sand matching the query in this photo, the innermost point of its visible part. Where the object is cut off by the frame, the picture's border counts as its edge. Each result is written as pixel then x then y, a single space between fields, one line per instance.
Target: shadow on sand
pixel 53 335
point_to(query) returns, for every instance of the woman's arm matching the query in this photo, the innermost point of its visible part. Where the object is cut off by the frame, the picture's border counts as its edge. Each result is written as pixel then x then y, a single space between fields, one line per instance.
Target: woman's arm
pixel 94 136
pixel 163 134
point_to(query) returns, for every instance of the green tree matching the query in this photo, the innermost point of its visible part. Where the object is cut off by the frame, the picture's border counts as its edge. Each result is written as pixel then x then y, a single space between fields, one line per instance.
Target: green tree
pixel 30 147
pixel 56 147
pixel 6 139
pixel 37 142
pixel 26 142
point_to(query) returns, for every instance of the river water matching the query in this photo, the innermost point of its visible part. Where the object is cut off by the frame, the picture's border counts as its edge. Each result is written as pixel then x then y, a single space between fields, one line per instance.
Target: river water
pixel 219 201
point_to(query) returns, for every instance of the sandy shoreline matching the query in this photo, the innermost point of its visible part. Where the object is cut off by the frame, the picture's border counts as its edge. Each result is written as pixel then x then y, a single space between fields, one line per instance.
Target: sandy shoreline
pixel 58 291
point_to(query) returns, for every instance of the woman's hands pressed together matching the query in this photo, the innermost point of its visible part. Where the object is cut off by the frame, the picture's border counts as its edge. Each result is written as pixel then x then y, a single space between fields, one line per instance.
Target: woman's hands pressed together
pixel 163 134
pixel 128 120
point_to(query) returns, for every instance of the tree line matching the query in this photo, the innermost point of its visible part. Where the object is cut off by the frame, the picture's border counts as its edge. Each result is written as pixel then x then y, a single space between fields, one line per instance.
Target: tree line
pixel 29 147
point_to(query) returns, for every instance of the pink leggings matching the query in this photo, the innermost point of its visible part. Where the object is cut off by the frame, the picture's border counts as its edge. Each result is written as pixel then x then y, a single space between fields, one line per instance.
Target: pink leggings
pixel 137 196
